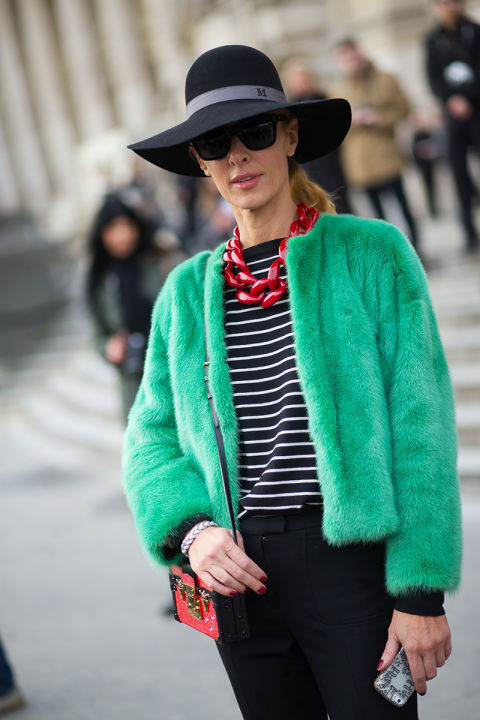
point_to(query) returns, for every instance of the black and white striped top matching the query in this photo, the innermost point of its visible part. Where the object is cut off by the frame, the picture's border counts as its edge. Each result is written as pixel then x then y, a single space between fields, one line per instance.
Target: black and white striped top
pixel 277 471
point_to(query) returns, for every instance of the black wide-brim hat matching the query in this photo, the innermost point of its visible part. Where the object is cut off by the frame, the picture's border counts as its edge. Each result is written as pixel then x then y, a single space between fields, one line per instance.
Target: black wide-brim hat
pixel 233 83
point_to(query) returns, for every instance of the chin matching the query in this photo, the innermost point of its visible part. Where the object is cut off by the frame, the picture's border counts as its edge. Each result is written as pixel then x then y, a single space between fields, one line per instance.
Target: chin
pixel 250 202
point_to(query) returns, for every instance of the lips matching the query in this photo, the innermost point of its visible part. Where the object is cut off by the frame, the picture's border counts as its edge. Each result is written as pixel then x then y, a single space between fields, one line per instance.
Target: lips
pixel 245 181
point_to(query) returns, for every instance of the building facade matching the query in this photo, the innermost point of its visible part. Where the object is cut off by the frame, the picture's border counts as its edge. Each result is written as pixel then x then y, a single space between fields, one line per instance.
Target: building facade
pixel 79 79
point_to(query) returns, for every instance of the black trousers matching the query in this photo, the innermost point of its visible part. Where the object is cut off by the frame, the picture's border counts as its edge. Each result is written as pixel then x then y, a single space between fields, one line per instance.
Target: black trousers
pixel 462 135
pixel 395 187
pixel 320 630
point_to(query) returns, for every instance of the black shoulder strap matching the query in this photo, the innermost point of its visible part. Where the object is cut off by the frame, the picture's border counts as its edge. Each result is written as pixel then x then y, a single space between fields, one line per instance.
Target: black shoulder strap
pixel 216 427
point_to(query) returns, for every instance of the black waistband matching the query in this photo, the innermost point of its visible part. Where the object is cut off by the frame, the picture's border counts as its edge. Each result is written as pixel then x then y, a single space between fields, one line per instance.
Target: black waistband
pixel 267 524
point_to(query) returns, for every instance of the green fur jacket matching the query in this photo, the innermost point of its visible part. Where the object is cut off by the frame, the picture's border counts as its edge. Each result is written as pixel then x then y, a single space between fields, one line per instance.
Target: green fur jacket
pixel 377 389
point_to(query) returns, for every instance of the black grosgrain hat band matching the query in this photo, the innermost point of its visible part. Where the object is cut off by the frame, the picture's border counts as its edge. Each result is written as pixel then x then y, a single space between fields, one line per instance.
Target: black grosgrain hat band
pixel 234 92
pixel 232 83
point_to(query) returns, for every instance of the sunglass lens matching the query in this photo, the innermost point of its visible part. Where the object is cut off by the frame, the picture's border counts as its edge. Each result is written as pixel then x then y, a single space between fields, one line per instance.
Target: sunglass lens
pixel 213 145
pixel 259 135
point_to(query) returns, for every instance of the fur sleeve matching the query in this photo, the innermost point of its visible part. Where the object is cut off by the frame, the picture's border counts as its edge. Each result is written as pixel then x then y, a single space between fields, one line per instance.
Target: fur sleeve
pixel 162 487
pixel 425 554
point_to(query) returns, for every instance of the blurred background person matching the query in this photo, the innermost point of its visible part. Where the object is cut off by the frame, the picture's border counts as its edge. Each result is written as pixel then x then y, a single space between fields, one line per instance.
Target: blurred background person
pixel 204 218
pixel 139 193
pixel 214 220
pixel 10 697
pixel 373 161
pixel 125 275
pixel 428 149
pixel 187 195
pixel 326 171
pixel 453 71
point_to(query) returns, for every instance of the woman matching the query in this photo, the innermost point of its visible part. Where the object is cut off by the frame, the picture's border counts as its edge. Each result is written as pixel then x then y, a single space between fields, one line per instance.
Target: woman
pixel 335 404
pixel 126 272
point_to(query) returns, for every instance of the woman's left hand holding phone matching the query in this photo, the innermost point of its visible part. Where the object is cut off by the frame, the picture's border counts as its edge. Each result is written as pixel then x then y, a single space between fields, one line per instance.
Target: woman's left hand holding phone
pixel 426 641
pixel 224 566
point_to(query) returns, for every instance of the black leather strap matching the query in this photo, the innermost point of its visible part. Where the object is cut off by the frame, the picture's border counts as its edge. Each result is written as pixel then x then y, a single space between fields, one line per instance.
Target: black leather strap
pixel 218 433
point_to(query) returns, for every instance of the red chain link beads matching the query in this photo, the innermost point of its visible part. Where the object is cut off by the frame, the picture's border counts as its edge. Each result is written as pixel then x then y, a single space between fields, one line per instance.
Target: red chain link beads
pixel 233 256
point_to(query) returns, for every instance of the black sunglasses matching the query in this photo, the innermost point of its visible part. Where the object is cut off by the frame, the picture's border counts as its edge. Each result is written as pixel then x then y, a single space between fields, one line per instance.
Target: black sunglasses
pixel 256 134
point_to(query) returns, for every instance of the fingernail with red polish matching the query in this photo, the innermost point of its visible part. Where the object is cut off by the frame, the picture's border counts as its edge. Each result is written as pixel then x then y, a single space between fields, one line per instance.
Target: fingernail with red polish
pixel 264 579
pixel 262 591
pixel 380 664
pixel 233 593
pixel 422 694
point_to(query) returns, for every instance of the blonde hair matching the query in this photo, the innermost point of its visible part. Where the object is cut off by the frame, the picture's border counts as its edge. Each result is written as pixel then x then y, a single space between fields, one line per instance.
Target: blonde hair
pixel 302 189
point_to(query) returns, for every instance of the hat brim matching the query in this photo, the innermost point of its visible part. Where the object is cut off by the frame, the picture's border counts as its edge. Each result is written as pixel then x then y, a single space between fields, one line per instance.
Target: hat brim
pixel 323 124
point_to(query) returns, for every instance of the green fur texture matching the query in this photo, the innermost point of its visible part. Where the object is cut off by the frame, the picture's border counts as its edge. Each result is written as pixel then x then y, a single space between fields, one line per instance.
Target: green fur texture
pixel 376 384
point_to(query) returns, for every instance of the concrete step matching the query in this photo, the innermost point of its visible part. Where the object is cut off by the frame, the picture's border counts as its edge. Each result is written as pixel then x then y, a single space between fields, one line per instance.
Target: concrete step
pixel 467 394
pixel 468 437
pixel 466 382
pixel 58 370
pixel 450 274
pixel 468 415
pixel 468 424
pixel 458 320
pixel 469 462
pixel 70 425
pixel 80 393
pixel 462 356
pixel 462 338
pixel 91 366
pixel 35 442
pixel 461 343
pixel 462 290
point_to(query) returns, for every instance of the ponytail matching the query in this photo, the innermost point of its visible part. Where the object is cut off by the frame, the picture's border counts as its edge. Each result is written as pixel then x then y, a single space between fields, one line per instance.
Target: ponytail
pixel 302 189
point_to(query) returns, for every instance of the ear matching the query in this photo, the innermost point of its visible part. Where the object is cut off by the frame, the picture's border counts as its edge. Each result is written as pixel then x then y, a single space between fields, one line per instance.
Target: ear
pixel 203 166
pixel 199 160
pixel 292 137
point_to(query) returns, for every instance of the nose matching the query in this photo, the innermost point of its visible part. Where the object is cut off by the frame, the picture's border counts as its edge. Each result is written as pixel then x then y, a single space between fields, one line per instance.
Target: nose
pixel 238 151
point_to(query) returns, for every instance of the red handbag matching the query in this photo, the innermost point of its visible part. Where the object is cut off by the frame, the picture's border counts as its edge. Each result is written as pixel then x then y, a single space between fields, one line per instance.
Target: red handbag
pixel 195 604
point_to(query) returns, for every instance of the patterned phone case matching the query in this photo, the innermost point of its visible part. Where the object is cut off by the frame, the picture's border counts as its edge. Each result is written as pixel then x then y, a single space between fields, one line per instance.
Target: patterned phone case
pixel 395 683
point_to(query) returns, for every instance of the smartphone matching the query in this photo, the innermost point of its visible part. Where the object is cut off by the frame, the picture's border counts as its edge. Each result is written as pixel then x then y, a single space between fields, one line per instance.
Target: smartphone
pixel 395 683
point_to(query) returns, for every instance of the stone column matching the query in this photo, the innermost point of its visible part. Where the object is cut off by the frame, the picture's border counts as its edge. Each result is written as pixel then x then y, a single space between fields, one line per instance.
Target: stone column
pixel 9 195
pixel 243 14
pixel 20 131
pixel 163 22
pixel 46 89
pixel 131 89
pixel 86 79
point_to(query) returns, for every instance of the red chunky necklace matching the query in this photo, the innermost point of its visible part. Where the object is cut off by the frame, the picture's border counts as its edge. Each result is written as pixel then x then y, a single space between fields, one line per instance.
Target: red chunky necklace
pixel 233 256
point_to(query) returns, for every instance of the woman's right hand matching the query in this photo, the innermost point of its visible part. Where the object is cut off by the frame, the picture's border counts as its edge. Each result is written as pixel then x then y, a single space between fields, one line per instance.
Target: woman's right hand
pixel 459 107
pixel 116 348
pixel 224 566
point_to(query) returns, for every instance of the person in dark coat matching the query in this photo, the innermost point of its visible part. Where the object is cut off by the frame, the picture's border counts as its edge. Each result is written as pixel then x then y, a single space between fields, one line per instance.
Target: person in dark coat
pixel 453 71
pixel 125 275
pixel 10 697
pixel 326 171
